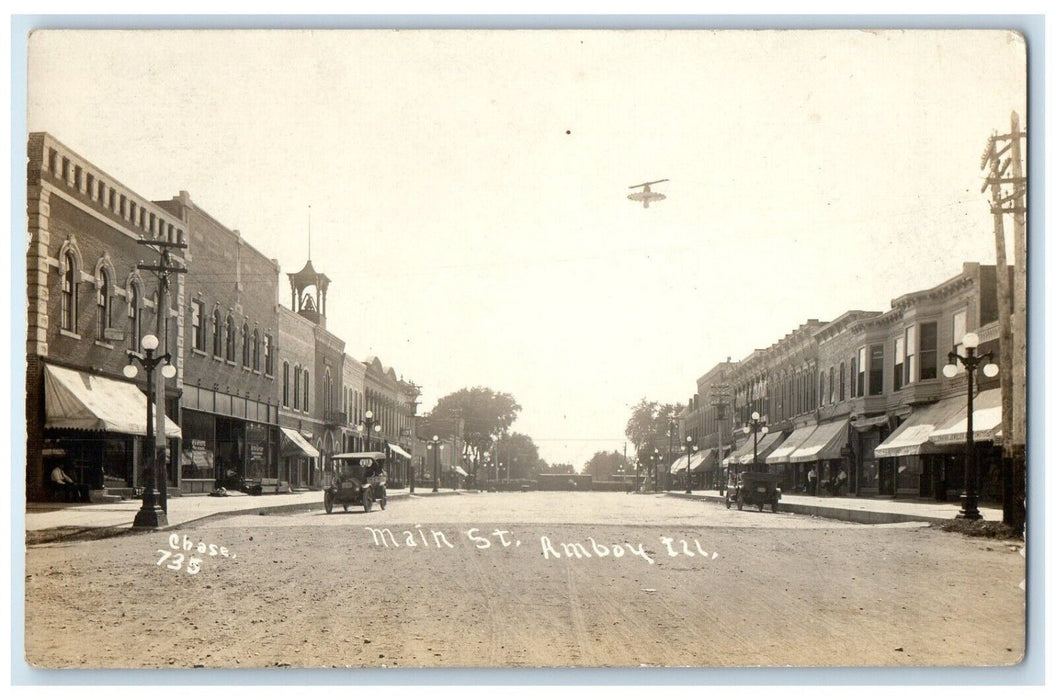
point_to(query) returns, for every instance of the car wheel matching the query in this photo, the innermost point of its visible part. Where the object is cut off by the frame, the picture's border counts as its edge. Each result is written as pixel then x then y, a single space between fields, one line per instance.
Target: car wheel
pixel 328 502
pixel 740 503
pixel 761 504
pixel 345 506
pixel 384 501
pixel 728 503
pixel 773 506
pixel 368 502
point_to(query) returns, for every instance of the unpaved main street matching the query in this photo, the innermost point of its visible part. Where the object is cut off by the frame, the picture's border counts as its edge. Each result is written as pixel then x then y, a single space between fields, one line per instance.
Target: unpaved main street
pixel 524 580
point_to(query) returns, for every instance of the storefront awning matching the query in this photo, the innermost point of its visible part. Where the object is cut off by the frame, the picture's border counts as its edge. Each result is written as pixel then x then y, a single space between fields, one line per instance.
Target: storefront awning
pixel 399 450
pixel 459 470
pixel 293 444
pixel 799 436
pixel 703 460
pixel 824 443
pixel 912 437
pixel 863 424
pixel 986 420
pixel 679 465
pixel 735 456
pixel 81 401
pixel 767 444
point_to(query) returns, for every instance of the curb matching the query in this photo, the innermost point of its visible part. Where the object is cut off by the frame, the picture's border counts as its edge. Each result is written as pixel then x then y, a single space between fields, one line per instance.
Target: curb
pixel 102 532
pixel 865 517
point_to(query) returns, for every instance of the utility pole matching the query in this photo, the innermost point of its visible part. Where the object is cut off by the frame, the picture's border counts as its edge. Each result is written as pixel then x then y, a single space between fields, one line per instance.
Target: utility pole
pixel 1011 353
pixel 163 269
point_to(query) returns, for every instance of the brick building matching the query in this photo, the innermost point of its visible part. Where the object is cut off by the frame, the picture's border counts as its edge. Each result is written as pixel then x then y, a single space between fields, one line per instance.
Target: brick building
pixel 229 327
pixel 88 305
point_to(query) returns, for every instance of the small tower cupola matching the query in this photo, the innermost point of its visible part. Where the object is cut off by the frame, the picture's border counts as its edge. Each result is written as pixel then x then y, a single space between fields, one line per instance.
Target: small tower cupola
pixel 308 293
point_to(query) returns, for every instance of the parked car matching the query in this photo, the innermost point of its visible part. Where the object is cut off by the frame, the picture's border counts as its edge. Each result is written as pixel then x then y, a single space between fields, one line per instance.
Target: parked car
pixel 356 479
pixel 753 488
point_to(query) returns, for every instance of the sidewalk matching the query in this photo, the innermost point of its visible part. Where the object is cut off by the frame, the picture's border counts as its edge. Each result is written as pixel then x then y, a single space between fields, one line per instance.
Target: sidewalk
pixel 861 510
pixel 80 518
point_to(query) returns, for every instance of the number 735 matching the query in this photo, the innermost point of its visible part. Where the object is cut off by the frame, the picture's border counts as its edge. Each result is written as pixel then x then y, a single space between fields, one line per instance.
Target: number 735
pixel 176 561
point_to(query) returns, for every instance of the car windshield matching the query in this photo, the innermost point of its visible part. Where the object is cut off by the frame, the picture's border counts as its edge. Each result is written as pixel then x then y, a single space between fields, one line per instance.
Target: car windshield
pixel 349 470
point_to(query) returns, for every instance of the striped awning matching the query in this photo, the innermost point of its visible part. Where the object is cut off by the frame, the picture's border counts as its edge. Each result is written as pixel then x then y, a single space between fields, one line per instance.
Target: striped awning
pixel 825 442
pixel 913 437
pixel 799 436
pixel 986 420
pixel 82 401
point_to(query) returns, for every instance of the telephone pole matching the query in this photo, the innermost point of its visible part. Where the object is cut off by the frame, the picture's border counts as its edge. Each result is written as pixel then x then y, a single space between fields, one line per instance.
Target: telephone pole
pixel 1011 320
pixel 164 267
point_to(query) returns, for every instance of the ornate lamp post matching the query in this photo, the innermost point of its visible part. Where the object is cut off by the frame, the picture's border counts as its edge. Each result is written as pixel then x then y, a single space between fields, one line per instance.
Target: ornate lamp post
pixel 720 397
pixel 637 477
pixel 672 426
pixel 689 453
pixel 435 446
pixel 657 459
pixel 150 513
pixel 755 428
pixel 971 362
pixel 369 423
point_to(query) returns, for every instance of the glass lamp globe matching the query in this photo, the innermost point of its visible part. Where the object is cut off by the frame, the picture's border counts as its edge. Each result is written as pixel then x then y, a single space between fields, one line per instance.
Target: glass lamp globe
pixel 150 342
pixel 377 428
pixel 970 340
pixel 129 371
pixel 755 415
pixel 764 430
pixel 950 371
pixel 991 370
pixel 168 371
pixel 368 415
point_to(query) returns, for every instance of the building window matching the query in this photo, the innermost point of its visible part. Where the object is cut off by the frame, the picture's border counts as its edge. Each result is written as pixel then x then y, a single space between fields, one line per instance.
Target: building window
pixel 134 317
pixel 69 294
pixel 854 377
pixel 229 337
pixel 929 345
pixel 306 394
pixel 832 385
pixel 876 370
pixel 218 335
pixel 256 351
pixel 843 382
pixel 860 381
pixel 821 386
pixel 296 388
pixel 269 360
pixel 960 327
pixel 103 301
pixel 197 311
pixel 900 362
pixel 285 383
pixel 245 345
pixel 911 355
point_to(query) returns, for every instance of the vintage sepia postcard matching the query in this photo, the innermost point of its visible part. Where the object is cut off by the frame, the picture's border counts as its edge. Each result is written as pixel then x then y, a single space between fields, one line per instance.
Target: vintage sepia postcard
pixel 462 349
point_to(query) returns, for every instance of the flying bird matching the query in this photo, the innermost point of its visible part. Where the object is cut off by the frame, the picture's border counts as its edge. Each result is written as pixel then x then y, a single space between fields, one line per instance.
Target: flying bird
pixel 646 195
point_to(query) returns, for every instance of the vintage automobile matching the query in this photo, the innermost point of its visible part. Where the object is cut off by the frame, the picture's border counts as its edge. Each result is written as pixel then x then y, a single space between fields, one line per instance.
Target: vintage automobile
pixel 355 479
pixel 753 488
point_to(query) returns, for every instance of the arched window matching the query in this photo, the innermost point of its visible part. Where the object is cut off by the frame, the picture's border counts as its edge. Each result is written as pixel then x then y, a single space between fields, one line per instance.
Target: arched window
pixel 296 387
pixel 245 345
pixel 218 335
pixel 229 333
pixel 328 399
pixel 306 394
pixel 134 316
pixel 103 302
pixel 69 294
pixel 285 383
pixel 256 350
pixel 269 360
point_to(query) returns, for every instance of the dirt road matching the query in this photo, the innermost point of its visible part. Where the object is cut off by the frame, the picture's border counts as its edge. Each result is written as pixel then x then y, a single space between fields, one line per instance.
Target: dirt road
pixel 528 580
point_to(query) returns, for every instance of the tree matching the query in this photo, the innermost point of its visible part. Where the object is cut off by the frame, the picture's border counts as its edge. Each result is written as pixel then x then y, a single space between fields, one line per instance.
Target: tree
pixel 648 428
pixel 476 415
pixel 518 455
pixel 603 465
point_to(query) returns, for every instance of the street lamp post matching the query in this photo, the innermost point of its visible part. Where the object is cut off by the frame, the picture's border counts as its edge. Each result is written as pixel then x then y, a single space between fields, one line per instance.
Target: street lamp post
pixel 672 426
pixel 150 513
pixel 689 453
pixel 657 459
pixel 369 423
pixel 971 362
pixel 754 428
pixel 435 446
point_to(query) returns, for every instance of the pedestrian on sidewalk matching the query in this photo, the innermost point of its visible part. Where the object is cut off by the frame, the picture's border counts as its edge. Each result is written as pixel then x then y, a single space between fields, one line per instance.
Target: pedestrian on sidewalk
pixel 812 482
pixel 70 489
pixel 841 481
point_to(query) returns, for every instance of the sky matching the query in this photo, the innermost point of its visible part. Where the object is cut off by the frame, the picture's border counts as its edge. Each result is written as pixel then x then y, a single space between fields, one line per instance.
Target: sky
pixel 467 191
